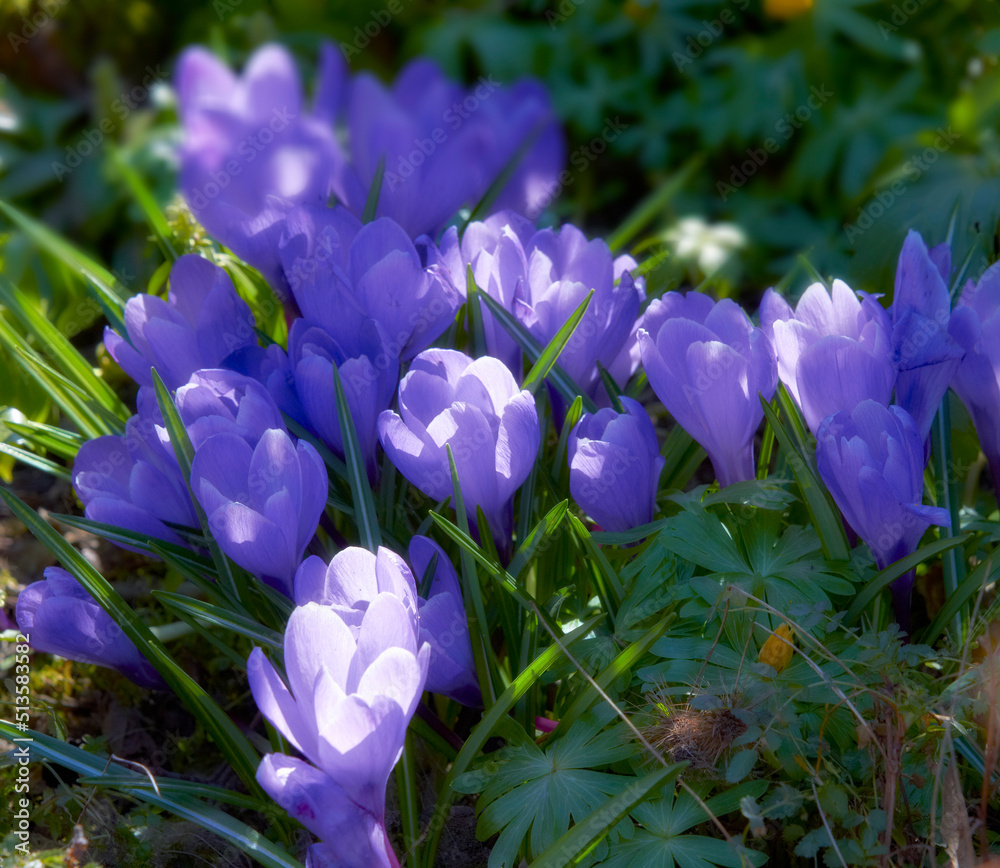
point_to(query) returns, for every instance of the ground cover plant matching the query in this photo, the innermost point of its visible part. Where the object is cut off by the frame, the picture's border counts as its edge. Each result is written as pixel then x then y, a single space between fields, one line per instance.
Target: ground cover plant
pixel 440 507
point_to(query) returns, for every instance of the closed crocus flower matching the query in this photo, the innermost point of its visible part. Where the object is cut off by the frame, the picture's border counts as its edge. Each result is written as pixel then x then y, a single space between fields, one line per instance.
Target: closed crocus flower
pixel 263 503
pixel 475 407
pixel 251 151
pixel 341 273
pixel 872 460
pixel 542 277
pixel 201 324
pixel 443 626
pixel 834 350
pixel 710 366
pixel 350 695
pixel 975 325
pixel 220 401
pixel 926 356
pixel 368 374
pixel 133 481
pixel 59 617
pixel 615 465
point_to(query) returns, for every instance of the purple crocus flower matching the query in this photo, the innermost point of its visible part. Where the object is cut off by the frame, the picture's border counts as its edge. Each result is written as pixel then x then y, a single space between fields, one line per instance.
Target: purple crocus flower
pixel 133 481
pixel 444 627
pixel 368 374
pixel 615 465
pixel 447 399
pixel 872 460
pixel 975 325
pixel 443 145
pixel 542 277
pixel 263 503
pixel 341 273
pixel 355 577
pixel 251 151
pixel 833 351
pixel 709 366
pixel 202 322
pixel 926 356
pixel 60 617
pixel 350 695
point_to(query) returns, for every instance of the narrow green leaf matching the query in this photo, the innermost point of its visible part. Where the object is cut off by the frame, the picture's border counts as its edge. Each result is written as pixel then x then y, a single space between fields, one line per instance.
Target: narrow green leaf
pixel 121 780
pixel 475 314
pixel 982 575
pixel 541 532
pixel 611 387
pixel 526 341
pixel 892 572
pixel 222 617
pixel 144 199
pixel 613 589
pixel 540 370
pixel 332 462
pixel 484 205
pixel 621 665
pixel 569 423
pixel 409 802
pixel 371 203
pixel 233 744
pixel 56 440
pixel 949 496
pixel 357 474
pixel 491 720
pixel 46 465
pixel 573 847
pixel 824 515
pixel 79 761
pixel 682 457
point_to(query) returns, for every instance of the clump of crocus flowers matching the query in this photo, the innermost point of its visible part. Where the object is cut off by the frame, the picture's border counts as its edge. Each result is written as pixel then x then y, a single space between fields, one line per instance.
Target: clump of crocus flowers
pixel 375 304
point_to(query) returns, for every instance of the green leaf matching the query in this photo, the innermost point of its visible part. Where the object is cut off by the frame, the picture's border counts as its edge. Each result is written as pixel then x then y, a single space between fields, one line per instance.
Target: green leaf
pixel 222 731
pixel 541 532
pixel 572 847
pixel 58 441
pixel 171 797
pixel 892 572
pixel 475 314
pixel 824 515
pixel 527 342
pixel 740 765
pixel 371 203
pixel 222 617
pixel 503 178
pixel 540 370
pixel 36 461
pixel 357 474
pixel 487 726
pixel 140 192
pixel 981 576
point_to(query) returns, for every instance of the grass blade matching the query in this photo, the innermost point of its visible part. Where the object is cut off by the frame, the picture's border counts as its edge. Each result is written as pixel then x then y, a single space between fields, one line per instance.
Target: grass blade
pixel 222 617
pixel 374 191
pixel 365 516
pixel 540 370
pixel 144 199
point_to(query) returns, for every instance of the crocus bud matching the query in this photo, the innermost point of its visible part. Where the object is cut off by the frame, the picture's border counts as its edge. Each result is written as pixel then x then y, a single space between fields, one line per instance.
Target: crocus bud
pixel 925 355
pixel 872 460
pixel 615 465
pixel 975 325
pixel 263 503
pixel 202 323
pixel 833 351
pixel 476 408
pixel 59 617
pixel 709 366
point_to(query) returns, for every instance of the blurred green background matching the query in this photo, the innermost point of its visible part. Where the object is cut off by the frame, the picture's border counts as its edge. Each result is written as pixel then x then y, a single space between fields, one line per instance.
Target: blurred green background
pixel 769 128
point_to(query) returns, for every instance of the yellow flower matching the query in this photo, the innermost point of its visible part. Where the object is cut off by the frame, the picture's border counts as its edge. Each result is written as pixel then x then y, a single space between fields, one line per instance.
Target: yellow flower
pixel 777 650
pixel 787 8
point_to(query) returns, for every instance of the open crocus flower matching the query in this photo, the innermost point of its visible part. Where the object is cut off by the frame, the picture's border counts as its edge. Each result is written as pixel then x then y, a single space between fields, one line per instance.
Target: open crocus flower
pixel 342 273
pixel 872 460
pixel 475 407
pixel 614 466
pixel 926 356
pixel 975 325
pixel 251 151
pixel 709 366
pixel 350 695
pixel 263 503
pixel 443 144
pixel 542 277
pixel 60 617
pixel 202 322
pixel 355 577
pixel 834 350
